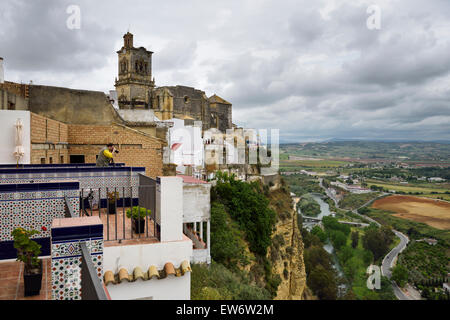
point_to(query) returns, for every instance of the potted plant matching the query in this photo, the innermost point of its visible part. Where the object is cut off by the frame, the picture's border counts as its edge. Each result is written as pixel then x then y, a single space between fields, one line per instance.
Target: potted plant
pixel 112 197
pixel 138 217
pixel 28 252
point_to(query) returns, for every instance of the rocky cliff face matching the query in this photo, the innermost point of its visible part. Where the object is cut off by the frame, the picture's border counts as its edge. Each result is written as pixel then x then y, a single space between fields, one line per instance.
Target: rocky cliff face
pixel 286 252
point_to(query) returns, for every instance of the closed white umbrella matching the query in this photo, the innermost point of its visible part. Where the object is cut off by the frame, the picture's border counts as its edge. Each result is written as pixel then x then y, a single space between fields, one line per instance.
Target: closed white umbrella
pixel 19 150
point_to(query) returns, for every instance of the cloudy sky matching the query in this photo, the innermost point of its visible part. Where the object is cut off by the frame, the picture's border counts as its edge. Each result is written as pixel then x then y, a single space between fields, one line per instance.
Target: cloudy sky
pixel 312 69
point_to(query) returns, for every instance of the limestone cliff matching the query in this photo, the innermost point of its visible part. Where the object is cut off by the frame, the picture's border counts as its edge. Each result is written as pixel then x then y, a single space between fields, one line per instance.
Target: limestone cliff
pixel 286 252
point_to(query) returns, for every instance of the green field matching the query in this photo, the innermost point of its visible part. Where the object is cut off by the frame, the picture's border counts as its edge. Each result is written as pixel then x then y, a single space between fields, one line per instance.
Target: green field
pixel 431 152
pixel 421 230
pixel 429 192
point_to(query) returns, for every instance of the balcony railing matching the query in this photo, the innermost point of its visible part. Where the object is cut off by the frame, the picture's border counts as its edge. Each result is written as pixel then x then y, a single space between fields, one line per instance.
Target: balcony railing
pixel 112 210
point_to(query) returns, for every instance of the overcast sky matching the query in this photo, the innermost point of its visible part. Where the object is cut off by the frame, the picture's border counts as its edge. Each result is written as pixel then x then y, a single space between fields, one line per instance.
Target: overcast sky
pixel 312 69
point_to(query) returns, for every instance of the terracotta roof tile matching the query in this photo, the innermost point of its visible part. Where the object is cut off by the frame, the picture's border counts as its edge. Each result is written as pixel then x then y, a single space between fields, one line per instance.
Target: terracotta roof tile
pixel 109 277
pixel 189 179
pixel 152 272
pixel 138 274
pixel 169 269
pixel 123 275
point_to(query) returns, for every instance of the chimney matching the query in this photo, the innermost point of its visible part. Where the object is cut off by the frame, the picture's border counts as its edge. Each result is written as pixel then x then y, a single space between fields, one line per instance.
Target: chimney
pixel 2 74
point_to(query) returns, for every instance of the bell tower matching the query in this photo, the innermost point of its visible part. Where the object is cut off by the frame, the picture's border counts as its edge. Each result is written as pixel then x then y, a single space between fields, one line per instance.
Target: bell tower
pixel 134 84
pixel 128 40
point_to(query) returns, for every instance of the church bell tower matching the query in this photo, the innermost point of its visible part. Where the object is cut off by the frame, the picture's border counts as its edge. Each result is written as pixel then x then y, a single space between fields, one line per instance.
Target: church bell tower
pixel 134 84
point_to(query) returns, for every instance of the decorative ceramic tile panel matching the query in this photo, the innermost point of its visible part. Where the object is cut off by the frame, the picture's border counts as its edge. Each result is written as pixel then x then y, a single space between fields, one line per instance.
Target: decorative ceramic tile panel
pixel 32 212
pixel 66 266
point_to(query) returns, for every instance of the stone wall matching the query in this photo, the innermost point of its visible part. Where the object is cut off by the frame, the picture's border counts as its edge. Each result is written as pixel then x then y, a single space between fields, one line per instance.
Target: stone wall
pixel 71 105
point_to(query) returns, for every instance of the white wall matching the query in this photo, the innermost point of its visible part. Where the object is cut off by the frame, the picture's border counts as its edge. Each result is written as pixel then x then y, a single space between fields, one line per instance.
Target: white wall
pixel 170 288
pixel 145 255
pixel 8 120
pixel 169 207
pixel 196 202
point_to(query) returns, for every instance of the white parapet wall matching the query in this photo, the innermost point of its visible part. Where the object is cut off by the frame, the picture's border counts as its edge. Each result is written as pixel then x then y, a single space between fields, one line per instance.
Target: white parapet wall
pixel 169 207
pixel 196 202
pixel 8 120
pixel 144 256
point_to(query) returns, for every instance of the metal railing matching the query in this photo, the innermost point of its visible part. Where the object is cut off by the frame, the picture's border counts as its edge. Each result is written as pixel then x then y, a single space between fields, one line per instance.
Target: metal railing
pixel 91 285
pixel 114 207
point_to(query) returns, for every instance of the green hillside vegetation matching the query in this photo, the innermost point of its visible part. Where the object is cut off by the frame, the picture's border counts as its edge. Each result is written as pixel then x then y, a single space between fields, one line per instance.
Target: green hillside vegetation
pixel 352 201
pixel 424 261
pixel 301 184
pixel 217 282
pixel 241 227
pixel 429 151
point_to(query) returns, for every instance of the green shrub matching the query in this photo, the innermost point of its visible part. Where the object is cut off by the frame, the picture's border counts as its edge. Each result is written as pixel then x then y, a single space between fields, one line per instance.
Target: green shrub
pixel 138 213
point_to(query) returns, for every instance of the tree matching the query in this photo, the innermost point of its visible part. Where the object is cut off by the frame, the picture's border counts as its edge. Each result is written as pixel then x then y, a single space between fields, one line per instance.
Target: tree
pixel 377 241
pixel 315 256
pixel 400 275
pixel 345 254
pixel 338 239
pixel 323 283
pixel 317 231
pixel 355 239
pixel 351 268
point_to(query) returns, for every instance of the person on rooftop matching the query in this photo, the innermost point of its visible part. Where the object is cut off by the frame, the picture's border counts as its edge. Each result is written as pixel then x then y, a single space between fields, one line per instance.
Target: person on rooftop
pixel 105 156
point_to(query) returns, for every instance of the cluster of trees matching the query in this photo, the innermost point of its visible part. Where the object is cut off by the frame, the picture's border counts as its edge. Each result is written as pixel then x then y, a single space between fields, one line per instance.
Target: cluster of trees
pixel 425 262
pixel 400 275
pixel 337 232
pixel 377 240
pixel 321 277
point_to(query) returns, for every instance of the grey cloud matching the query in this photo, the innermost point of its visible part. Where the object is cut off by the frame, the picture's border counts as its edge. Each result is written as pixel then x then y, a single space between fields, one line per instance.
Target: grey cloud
pixel 280 63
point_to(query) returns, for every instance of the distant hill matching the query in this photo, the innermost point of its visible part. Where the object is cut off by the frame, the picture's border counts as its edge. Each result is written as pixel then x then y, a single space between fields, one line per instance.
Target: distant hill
pixel 358 149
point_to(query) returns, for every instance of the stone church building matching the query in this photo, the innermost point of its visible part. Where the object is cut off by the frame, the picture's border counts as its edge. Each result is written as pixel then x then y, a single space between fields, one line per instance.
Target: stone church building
pixel 71 125
pixel 136 90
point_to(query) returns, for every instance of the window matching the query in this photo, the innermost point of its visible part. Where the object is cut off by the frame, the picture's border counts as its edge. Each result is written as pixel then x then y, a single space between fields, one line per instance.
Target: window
pixel 50 160
pixel 42 160
pixel 62 159
pixel 186 99
pixel 77 158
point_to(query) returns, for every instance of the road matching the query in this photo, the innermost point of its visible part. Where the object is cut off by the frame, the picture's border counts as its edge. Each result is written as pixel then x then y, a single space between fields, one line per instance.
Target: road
pixel 391 257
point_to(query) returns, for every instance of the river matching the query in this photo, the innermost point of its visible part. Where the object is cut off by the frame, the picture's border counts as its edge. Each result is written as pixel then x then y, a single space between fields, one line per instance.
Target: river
pixel 325 211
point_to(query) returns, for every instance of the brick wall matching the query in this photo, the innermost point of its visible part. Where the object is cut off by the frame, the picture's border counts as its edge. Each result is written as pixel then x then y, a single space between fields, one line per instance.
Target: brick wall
pixel 136 149
pixel 46 138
